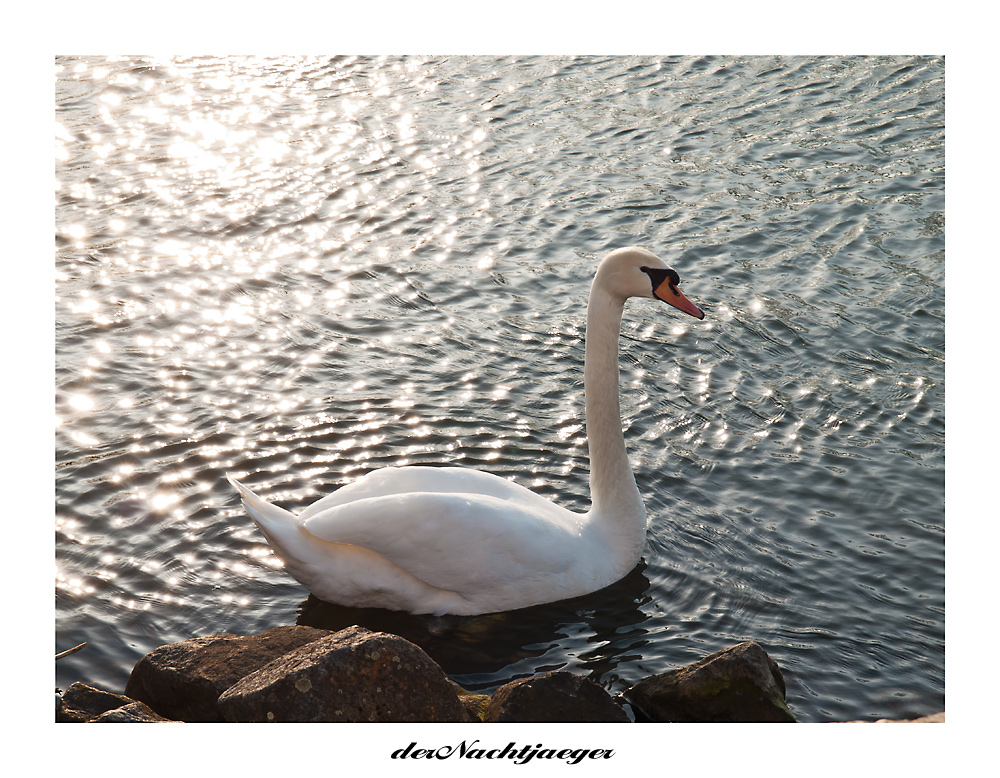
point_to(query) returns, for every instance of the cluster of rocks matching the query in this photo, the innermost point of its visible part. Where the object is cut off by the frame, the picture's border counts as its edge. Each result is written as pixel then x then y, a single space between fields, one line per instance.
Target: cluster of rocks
pixel 354 675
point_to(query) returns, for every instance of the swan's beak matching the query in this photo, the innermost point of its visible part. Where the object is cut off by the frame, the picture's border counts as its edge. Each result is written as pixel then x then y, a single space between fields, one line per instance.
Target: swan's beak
pixel 671 295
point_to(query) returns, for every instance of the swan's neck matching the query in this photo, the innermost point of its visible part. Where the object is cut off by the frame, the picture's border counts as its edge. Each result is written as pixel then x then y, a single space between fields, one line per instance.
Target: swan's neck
pixel 616 500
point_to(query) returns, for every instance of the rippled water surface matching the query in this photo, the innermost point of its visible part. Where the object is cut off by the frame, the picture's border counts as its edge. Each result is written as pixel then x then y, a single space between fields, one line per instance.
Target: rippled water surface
pixel 299 270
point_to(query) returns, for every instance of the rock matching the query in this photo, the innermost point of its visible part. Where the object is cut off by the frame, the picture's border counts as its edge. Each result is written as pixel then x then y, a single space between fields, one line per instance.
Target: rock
pixel 934 718
pixel 136 712
pixel 738 684
pixel 83 703
pixel 349 676
pixel 183 680
pixel 475 704
pixel 553 697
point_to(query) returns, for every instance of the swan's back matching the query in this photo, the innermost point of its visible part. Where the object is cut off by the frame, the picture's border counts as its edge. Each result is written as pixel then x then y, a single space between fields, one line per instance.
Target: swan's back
pixel 444 480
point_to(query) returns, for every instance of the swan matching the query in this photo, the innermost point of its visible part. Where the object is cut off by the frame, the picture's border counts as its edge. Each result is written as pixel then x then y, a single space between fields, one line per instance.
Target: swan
pixel 452 540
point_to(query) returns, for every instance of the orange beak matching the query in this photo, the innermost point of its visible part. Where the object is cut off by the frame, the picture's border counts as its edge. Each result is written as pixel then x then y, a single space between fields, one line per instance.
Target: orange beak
pixel 671 295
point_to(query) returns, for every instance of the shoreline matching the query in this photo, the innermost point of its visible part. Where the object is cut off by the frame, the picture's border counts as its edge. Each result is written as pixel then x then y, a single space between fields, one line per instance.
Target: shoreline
pixel 299 673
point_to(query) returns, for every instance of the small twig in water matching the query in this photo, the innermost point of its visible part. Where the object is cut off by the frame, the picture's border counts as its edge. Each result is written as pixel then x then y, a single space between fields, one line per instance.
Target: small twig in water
pixel 69 651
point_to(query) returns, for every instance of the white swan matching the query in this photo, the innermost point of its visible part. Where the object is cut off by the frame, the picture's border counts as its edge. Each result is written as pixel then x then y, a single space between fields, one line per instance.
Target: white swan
pixel 454 540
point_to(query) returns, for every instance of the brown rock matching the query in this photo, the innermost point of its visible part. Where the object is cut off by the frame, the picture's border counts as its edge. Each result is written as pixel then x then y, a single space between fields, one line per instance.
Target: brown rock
pixel 553 697
pixel 134 713
pixel 351 676
pixel 475 704
pixel 183 681
pixel 83 703
pixel 934 718
pixel 738 684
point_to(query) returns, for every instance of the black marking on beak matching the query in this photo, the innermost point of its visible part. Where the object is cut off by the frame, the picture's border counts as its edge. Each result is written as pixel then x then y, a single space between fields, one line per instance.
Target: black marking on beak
pixel 657 275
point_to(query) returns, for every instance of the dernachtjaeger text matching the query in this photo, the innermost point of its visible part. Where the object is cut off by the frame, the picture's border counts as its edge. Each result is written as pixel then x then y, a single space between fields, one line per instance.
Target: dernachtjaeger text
pixel 518 754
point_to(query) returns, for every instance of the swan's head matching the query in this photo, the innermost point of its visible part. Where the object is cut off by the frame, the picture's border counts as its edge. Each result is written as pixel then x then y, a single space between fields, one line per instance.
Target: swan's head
pixel 635 272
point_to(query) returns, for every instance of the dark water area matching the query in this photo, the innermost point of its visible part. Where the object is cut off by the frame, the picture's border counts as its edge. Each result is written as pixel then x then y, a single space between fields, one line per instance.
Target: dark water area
pixel 303 269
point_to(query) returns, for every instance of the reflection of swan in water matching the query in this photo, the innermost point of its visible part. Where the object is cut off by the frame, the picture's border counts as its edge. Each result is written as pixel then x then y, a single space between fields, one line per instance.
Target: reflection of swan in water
pixel 594 633
pixel 461 541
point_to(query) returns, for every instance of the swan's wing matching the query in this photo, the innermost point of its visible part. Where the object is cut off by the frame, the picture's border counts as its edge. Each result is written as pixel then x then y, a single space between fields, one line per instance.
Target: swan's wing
pixel 459 542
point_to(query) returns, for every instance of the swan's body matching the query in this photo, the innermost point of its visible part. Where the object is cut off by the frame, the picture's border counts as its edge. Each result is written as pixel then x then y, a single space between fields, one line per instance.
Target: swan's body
pixel 455 540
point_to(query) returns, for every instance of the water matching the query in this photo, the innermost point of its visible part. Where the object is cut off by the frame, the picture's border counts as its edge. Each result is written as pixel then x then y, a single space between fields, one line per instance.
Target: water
pixel 303 269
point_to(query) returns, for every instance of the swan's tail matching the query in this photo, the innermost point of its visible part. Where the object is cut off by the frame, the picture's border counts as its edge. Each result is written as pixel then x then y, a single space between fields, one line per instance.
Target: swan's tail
pixel 276 523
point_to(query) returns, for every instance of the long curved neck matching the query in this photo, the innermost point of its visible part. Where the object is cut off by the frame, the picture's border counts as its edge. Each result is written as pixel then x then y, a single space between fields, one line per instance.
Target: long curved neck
pixel 616 498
